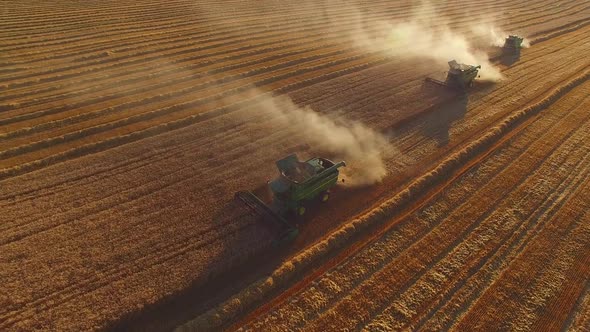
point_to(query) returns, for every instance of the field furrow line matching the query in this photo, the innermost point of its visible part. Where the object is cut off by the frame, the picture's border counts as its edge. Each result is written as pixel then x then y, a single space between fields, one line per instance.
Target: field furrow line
pixel 53 159
pixel 538 257
pixel 337 238
pixel 267 29
pixel 306 28
pixel 8 152
pixel 111 199
pixel 304 15
pixel 265 80
pixel 404 313
pixel 579 317
pixel 349 276
pixel 442 240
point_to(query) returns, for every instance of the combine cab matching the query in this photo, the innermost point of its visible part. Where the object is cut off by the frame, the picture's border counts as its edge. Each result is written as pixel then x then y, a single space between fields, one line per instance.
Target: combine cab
pixel 460 76
pixel 298 184
pixel 513 44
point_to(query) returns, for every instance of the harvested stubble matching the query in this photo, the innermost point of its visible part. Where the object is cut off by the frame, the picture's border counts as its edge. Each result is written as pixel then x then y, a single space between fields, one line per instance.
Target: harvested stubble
pixel 336 240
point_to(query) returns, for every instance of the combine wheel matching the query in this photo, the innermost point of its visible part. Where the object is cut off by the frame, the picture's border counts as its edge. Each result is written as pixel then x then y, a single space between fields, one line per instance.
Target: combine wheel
pixel 325 197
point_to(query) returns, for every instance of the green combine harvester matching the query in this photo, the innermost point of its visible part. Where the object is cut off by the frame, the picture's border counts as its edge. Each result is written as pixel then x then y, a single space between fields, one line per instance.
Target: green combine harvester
pixel 298 184
pixel 460 76
pixel 513 43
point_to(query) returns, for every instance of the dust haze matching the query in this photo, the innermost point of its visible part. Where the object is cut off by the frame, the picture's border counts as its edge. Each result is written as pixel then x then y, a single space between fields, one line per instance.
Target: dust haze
pixel 363 148
pixel 423 36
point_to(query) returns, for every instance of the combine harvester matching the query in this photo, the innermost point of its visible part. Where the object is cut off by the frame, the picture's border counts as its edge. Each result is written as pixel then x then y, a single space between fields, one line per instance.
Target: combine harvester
pixel 460 76
pixel 513 44
pixel 298 184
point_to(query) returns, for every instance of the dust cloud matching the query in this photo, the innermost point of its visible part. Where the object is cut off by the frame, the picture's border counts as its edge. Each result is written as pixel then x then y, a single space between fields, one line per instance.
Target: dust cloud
pixel 491 35
pixel 424 36
pixel 363 148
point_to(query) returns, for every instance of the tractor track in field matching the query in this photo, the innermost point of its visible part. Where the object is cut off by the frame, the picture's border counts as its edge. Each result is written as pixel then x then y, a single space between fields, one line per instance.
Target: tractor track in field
pixel 105 181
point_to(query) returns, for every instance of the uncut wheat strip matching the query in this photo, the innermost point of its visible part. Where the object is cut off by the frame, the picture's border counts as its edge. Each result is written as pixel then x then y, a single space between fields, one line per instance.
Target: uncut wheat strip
pixel 341 279
pixel 518 278
pixel 400 313
pixel 73 21
pixel 223 313
pixel 295 312
pixel 46 13
pixel 272 50
pixel 54 53
pixel 303 19
pixel 192 50
pixel 214 17
pixel 171 74
pixel 206 34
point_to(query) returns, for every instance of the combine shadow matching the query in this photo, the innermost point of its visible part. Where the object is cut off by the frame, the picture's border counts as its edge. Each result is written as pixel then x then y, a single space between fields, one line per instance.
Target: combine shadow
pixel 245 248
pixel 437 123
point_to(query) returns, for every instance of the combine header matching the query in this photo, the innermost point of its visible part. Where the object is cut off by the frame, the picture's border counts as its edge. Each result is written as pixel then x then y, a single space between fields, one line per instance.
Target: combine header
pixel 460 76
pixel 513 44
pixel 298 184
